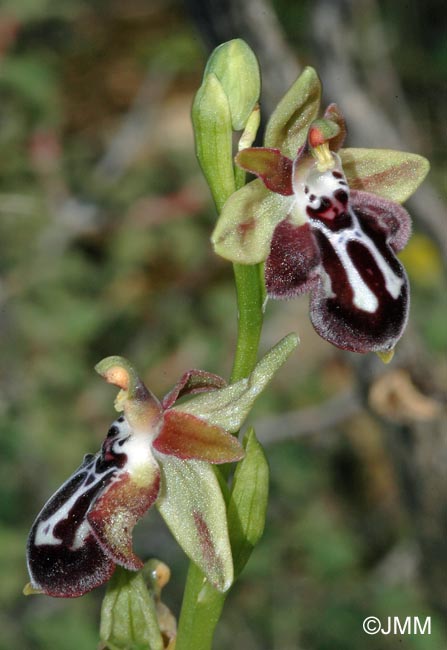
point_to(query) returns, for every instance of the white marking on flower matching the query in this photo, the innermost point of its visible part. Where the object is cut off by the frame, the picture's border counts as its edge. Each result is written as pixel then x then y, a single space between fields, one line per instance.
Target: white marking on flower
pixel 45 528
pixel 325 184
pixel 44 533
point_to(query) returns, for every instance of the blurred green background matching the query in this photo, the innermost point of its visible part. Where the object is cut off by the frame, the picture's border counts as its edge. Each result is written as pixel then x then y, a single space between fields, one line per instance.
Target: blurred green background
pixel 104 240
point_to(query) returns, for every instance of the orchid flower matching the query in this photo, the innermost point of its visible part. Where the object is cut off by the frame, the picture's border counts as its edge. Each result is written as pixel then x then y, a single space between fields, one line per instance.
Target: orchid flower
pixel 326 221
pixel 154 452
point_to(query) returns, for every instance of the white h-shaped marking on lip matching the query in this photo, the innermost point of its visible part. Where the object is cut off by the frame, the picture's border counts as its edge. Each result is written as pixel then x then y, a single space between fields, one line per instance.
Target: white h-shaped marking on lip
pixel 310 182
pixel 45 529
pixel 363 298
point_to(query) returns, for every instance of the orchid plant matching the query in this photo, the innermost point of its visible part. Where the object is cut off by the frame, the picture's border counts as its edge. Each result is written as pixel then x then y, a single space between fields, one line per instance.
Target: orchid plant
pixel 319 218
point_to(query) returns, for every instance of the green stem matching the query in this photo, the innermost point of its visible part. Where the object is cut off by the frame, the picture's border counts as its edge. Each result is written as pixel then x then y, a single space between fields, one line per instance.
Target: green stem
pixel 202 604
pixel 250 296
pixel 201 609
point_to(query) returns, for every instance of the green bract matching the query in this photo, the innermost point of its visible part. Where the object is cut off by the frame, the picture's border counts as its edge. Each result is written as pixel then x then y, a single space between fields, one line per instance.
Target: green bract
pixel 248 501
pixel 128 614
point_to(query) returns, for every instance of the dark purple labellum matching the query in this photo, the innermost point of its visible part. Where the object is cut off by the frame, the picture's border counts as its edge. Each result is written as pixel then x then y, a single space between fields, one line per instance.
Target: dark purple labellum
pixel 359 289
pixel 64 558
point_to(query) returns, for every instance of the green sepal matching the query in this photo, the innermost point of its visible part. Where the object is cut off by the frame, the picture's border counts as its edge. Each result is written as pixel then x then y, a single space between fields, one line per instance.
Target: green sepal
pixel 211 119
pixel 288 125
pixel 228 407
pixel 192 505
pixel 248 502
pixel 244 230
pixel 394 175
pixel 128 614
pixel 237 69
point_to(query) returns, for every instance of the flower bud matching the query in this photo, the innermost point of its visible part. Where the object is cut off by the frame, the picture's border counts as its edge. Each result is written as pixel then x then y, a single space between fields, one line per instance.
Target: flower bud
pixel 237 69
pixel 128 613
pixel 213 137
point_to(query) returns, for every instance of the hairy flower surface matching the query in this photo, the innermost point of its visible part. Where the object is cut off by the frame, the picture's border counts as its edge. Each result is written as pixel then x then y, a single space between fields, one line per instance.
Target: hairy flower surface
pixel 154 452
pixel 324 222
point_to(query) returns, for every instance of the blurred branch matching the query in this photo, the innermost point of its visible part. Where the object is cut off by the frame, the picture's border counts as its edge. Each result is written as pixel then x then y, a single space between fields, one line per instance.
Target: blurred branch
pixel 315 419
pixel 368 122
pixel 132 135
pixel 72 216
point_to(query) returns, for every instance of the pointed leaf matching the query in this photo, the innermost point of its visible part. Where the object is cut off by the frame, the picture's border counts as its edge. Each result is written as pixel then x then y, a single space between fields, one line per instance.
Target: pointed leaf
pixel 186 436
pixel 192 505
pixel 128 614
pixel 237 69
pixel 288 125
pixel 228 407
pixel 274 169
pixel 248 503
pixel 245 228
pixel 392 174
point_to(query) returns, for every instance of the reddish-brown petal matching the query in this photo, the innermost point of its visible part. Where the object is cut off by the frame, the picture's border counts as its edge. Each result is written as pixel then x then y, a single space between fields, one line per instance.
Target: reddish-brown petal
pixel 188 437
pixel 334 114
pixel 192 382
pixel 118 509
pixel 274 169
pixel 291 269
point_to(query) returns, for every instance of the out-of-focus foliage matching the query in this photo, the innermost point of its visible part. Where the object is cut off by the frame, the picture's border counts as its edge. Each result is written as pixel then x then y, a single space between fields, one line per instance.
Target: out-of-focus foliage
pixel 104 249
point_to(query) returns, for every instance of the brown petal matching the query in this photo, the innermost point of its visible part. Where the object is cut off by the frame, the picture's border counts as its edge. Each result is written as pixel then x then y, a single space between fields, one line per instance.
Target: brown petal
pixel 274 169
pixel 191 383
pixel 334 114
pixel 188 437
pixel 118 509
